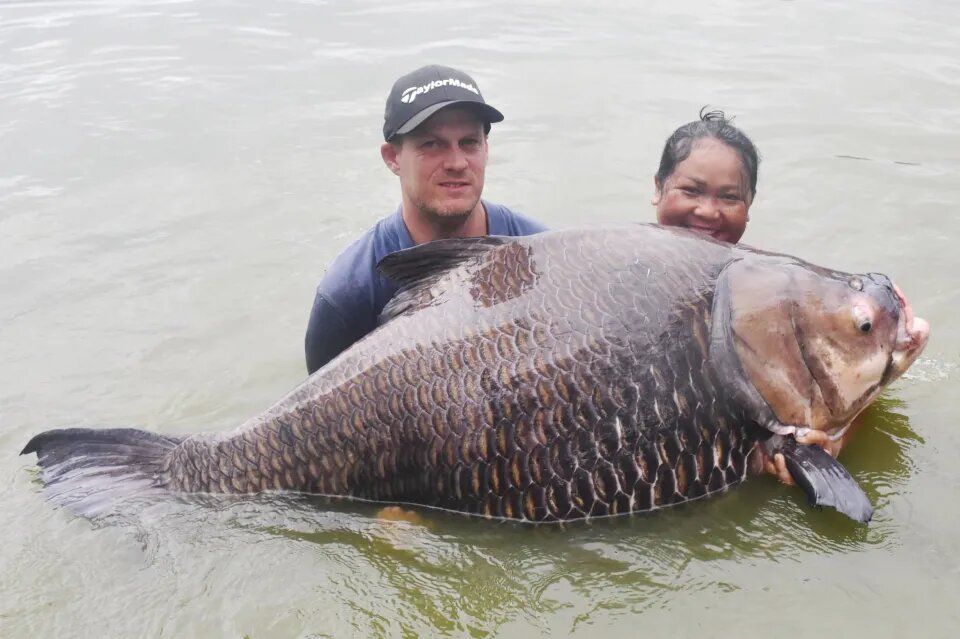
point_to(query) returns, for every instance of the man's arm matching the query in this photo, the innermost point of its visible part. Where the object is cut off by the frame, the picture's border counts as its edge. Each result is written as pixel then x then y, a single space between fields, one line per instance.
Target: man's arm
pixel 327 334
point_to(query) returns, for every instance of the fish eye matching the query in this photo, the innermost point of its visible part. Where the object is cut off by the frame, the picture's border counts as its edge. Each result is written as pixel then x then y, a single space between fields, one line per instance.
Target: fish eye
pixel 863 317
pixel 856 284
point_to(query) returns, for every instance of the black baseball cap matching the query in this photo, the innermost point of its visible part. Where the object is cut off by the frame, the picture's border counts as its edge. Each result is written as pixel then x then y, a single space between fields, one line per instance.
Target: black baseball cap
pixel 421 93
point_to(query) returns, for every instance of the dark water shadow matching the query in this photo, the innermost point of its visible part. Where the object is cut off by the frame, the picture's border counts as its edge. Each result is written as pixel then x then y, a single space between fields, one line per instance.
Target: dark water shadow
pixel 455 574
pixel 877 457
pixel 452 573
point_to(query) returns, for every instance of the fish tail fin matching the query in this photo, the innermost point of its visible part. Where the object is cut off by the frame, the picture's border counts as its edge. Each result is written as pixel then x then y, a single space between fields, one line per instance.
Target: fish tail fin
pixel 88 470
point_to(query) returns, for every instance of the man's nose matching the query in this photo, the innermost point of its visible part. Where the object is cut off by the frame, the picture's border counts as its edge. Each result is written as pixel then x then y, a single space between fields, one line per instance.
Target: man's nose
pixel 455 160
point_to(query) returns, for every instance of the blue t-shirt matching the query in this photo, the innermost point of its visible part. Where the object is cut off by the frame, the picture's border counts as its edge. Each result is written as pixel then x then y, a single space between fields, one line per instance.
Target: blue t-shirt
pixel 352 293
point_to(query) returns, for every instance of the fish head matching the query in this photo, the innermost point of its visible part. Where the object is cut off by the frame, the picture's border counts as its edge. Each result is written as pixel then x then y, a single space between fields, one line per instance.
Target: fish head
pixel 819 345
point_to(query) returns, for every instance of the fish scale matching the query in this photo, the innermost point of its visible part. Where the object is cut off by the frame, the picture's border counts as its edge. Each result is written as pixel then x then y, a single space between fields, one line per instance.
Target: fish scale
pixel 560 376
pixel 539 412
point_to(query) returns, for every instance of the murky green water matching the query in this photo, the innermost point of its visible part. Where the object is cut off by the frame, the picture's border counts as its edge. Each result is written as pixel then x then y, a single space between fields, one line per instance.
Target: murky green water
pixel 174 177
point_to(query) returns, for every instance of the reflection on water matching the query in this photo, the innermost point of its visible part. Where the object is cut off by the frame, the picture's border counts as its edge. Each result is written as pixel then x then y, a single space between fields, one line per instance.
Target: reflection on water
pixel 175 176
pixel 460 574
pixel 930 370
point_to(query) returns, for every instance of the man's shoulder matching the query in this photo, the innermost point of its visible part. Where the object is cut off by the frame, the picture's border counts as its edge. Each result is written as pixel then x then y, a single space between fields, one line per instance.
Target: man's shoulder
pixel 352 273
pixel 504 221
pixel 376 242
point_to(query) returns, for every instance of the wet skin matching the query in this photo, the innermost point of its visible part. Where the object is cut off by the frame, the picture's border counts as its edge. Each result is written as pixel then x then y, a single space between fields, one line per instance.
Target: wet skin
pixel 707 192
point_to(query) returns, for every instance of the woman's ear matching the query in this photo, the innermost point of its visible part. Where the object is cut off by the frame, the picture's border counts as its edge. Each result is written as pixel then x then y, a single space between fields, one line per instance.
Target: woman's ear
pixel 655 200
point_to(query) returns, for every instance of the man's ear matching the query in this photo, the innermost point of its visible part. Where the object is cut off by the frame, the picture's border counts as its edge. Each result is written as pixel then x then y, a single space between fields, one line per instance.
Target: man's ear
pixel 389 152
pixel 655 200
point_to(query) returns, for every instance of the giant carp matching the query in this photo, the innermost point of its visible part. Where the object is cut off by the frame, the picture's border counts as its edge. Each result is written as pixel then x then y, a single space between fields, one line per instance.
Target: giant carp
pixel 572 374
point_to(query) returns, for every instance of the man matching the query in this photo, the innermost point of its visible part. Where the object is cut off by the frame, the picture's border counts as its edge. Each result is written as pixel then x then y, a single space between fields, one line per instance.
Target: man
pixel 435 140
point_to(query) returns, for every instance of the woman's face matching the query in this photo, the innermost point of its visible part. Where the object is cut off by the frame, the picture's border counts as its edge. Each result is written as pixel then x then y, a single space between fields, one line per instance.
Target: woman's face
pixel 708 192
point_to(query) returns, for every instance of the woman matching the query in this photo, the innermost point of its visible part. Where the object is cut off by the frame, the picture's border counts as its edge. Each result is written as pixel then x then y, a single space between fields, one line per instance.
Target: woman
pixel 706 182
pixel 707 178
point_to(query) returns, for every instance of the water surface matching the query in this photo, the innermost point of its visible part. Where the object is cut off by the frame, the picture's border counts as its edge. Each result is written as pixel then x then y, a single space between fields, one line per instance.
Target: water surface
pixel 175 176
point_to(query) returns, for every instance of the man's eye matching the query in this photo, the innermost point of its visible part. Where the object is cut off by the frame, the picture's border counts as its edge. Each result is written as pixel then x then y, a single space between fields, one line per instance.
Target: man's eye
pixel 689 190
pixel 470 144
pixel 730 197
pixel 428 144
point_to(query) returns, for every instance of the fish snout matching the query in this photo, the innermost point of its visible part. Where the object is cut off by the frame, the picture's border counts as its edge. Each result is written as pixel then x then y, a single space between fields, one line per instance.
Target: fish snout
pixel 912 331
pixel 888 303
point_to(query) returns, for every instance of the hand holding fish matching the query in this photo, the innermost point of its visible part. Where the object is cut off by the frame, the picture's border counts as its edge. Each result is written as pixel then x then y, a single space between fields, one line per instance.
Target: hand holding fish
pixel 777 465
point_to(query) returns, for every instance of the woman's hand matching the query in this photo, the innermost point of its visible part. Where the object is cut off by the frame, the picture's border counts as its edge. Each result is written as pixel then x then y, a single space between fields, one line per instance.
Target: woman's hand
pixel 777 465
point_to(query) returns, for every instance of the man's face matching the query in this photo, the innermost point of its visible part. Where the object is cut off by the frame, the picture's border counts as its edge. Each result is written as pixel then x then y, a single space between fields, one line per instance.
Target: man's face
pixel 441 164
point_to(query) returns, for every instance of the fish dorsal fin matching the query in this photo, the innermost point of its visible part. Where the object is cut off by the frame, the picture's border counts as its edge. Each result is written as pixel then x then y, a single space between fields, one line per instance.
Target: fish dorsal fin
pixel 417 269
pixel 423 261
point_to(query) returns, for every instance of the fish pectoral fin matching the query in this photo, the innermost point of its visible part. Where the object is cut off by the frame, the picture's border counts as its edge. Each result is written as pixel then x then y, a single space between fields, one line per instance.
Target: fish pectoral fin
pixel 825 481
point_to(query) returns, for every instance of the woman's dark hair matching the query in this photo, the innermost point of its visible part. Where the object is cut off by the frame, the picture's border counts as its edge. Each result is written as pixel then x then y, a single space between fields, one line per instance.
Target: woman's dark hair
pixel 712 124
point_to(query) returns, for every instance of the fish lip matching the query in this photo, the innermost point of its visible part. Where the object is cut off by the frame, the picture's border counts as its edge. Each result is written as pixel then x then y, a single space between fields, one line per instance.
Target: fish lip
pixel 912 332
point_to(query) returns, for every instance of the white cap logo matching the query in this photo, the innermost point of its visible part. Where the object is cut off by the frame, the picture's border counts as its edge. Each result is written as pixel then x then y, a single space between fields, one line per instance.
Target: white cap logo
pixel 409 95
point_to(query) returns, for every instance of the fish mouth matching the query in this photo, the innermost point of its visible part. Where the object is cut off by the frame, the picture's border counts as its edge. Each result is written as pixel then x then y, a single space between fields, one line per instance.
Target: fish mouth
pixel 912 335
pixel 912 331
